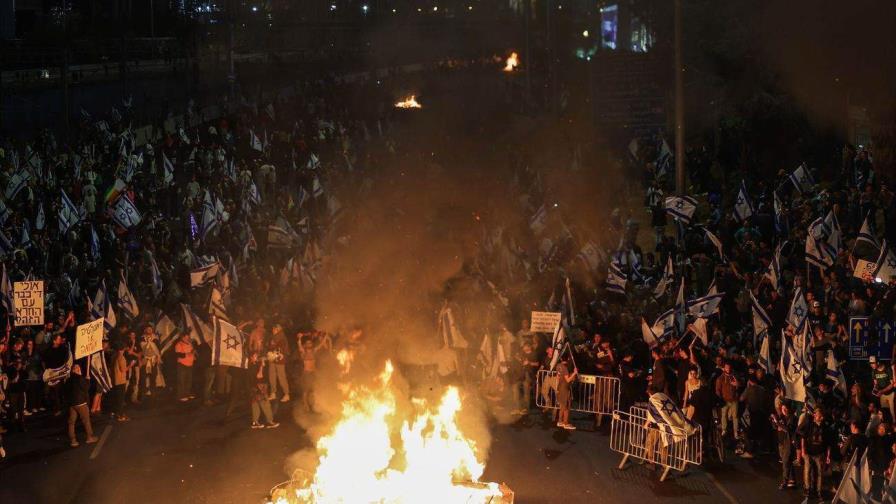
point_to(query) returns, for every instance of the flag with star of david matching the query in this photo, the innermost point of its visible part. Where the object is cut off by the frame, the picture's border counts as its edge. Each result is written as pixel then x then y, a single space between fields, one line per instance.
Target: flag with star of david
pixel 799 310
pixel 229 345
pixel 681 207
pixel 743 206
pixel 672 422
pixel 792 373
pixel 802 179
pixel 886 264
pixel 705 306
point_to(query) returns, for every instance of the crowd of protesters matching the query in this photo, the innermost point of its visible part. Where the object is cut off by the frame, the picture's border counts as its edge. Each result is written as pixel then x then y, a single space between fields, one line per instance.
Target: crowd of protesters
pixel 255 194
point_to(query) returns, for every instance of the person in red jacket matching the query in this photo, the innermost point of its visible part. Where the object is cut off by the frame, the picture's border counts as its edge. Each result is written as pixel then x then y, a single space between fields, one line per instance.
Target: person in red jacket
pixel 186 357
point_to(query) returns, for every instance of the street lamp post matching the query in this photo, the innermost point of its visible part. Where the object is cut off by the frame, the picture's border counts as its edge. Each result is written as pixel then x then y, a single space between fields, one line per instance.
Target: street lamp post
pixel 679 106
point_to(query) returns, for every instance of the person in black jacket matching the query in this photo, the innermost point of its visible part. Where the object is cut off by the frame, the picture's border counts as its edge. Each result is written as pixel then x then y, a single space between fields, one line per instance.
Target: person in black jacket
pixel 77 394
pixel 785 428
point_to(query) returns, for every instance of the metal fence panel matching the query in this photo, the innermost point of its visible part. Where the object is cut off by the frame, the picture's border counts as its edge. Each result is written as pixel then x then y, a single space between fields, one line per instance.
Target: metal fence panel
pixel 632 435
pixel 598 395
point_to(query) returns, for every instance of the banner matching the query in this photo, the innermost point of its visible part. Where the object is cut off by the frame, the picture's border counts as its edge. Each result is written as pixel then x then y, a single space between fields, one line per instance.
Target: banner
pixel 124 213
pixel 28 298
pixel 89 338
pixel 546 322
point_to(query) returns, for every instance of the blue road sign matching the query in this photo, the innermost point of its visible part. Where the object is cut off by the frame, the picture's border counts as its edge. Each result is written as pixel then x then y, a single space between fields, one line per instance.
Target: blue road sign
pixel 858 337
pixel 886 333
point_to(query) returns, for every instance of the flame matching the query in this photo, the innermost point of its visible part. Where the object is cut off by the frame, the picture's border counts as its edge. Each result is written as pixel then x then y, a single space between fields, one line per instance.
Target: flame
pixel 362 460
pixel 409 102
pixel 513 61
pixel 345 357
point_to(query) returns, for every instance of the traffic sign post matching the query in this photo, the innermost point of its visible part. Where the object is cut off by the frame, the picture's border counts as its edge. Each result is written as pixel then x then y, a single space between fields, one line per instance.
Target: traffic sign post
pixel 886 330
pixel 858 337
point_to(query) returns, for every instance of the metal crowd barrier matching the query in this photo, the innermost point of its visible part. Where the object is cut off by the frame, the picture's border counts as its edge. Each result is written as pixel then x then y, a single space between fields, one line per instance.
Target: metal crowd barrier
pixel 633 435
pixel 598 395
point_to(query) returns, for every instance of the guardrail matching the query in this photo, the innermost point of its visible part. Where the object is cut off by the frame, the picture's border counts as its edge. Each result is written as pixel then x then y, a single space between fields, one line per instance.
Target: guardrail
pixel 598 395
pixel 633 435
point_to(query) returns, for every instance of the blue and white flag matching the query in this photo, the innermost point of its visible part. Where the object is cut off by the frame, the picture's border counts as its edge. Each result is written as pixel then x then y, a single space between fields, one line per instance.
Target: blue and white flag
pixel 40 222
pixel 199 330
pixel 681 310
pixel 664 159
pixel 761 321
pixel 743 206
pixel 885 268
pixel 254 142
pixel 718 244
pixel 817 254
pixel 210 219
pixel 69 214
pixel 94 244
pixel 167 170
pixel 681 207
pixel 101 307
pixel 6 246
pixel 157 284
pixel 124 213
pixel 835 374
pixel 668 417
pixel 17 182
pixel 792 373
pixel 666 280
pixel 774 270
pixel 765 359
pixel 203 275
pixel 5 212
pixel 126 301
pixel 705 306
pixel 834 236
pixel 229 345
pixel 6 293
pixel 855 487
pixel 664 326
pixel 216 306
pixel 616 279
pixel 100 373
pixel 647 333
pixel 798 312
pixel 865 236
pixel 167 333
pixel 781 226
pixel 317 190
pixel 802 179
pixel 25 238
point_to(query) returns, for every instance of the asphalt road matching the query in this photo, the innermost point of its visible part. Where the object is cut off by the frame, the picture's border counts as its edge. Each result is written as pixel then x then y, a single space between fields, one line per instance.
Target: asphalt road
pixel 177 453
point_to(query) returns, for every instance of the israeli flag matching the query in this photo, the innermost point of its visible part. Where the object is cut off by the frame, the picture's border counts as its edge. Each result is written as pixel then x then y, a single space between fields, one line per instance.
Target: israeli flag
pixel 313 162
pixel 94 244
pixel 100 373
pixel 102 308
pixel 25 238
pixel 205 274
pixel 834 240
pixel 781 226
pixel 816 254
pixel 718 244
pixel 648 334
pixel 765 360
pixel 209 216
pixel 229 345
pixel 167 332
pixel 156 276
pixel 199 330
pixel 40 222
pixel 705 306
pixel 774 270
pixel 886 264
pixel 799 311
pixel 761 321
pixel 5 213
pixel 802 179
pixel 616 279
pixel 17 182
pixel 126 301
pixel 664 326
pixel 216 306
pixel 792 374
pixel 681 207
pixel 167 170
pixel 669 419
pixel 69 214
pixel 866 235
pixel 855 487
pixel 743 206
pixel 124 213
pixel 254 142
pixel 664 159
pixel 666 280
pixel 6 293
pixel 835 374
pixel 317 190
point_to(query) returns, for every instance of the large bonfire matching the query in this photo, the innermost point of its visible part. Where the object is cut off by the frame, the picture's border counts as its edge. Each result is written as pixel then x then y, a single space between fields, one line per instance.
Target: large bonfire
pixel 373 455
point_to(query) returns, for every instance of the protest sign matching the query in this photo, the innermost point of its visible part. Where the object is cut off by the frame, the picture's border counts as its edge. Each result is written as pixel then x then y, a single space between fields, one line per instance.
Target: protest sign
pixel 544 321
pixel 89 338
pixel 29 302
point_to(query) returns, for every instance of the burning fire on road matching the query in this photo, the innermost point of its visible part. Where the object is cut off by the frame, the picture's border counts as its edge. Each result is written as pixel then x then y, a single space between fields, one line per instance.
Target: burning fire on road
pixel 513 61
pixel 409 102
pixel 375 454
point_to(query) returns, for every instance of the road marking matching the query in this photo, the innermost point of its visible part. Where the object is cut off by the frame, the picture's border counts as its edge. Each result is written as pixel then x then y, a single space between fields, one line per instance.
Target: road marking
pixel 99 446
pixel 721 488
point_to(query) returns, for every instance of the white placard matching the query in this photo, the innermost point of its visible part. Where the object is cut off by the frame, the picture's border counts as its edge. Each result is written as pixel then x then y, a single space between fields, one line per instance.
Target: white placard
pixel 29 302
pixel 546 322
pixel 89 338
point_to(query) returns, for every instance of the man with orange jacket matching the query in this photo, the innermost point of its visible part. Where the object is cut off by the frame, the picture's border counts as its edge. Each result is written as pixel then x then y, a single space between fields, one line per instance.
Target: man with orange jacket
pixel 186 357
